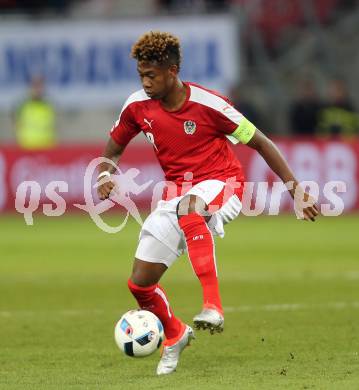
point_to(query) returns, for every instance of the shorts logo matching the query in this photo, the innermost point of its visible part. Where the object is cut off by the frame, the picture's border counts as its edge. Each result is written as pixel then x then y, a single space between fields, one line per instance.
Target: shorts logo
pixel 189 127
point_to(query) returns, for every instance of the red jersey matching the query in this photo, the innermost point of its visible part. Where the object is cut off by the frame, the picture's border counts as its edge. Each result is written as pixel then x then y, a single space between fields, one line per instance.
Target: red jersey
pixel 192 139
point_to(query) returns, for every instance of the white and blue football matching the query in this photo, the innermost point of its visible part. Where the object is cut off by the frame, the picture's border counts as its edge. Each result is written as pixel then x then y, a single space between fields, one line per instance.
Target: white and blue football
pixel 139 333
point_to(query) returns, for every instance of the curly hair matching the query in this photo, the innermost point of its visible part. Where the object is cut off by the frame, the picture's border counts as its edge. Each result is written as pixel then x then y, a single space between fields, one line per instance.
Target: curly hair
pixel 156 46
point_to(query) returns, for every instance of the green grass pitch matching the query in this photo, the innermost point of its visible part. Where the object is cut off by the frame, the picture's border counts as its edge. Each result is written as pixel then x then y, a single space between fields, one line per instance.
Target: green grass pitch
pixel 290 291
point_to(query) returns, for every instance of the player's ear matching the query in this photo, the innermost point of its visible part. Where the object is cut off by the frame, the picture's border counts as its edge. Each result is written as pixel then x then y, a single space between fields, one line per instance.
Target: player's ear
pixel 173 70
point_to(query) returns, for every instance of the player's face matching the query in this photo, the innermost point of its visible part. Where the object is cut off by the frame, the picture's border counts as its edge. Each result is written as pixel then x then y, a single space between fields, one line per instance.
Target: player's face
pixel 156 80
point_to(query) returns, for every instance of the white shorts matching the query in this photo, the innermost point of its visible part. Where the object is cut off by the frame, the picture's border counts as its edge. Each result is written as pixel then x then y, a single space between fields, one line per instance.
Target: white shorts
pixel 161 239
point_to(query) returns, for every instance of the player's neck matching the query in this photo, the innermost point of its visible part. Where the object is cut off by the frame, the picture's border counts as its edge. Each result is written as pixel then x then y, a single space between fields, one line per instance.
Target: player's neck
pixel 175 99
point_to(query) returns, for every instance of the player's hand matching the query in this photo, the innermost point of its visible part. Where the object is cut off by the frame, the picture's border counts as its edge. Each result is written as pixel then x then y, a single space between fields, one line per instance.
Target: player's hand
pixel 310 212
pixel 304 205
pixel 105 188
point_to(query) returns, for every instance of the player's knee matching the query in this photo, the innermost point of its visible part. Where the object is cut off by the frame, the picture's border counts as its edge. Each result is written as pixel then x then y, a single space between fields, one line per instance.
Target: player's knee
pixel 145 274
pixel 190 204
pixel 140 279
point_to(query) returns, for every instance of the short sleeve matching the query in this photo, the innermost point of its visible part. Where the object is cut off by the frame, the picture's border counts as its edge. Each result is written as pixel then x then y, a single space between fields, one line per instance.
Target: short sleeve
pixel 125 127
pixel 236 126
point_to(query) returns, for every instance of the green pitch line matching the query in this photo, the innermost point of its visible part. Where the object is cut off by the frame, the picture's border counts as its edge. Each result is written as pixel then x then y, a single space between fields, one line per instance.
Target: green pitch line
pixel 290 291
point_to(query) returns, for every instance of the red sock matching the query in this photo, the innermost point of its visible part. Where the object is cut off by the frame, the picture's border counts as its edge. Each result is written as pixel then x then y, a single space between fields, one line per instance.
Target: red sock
pixel 154 299
pixel 200 247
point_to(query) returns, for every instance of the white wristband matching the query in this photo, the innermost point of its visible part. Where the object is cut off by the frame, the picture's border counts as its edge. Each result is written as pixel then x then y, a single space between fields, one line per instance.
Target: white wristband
pixel 104 173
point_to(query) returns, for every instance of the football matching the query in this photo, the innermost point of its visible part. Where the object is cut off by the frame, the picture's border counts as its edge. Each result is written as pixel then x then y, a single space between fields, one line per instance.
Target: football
pixel 139 333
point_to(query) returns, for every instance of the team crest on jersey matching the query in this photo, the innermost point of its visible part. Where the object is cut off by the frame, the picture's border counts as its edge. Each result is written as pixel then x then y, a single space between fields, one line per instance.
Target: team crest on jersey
pixel 189 127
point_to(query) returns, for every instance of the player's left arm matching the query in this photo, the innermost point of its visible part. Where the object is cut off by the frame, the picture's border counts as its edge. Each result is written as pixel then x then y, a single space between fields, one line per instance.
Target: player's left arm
pixel 275 160
pixel 239 129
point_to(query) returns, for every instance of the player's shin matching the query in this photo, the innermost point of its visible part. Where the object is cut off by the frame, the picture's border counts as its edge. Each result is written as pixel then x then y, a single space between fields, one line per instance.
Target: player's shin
pixel 154 299
pixel 201 253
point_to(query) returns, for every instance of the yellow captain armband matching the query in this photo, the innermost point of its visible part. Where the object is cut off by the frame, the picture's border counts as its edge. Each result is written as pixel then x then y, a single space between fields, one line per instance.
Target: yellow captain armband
pixel 243 133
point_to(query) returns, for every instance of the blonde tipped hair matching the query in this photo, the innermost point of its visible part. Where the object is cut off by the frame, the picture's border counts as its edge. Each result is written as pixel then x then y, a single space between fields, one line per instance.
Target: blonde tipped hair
pixel 156 46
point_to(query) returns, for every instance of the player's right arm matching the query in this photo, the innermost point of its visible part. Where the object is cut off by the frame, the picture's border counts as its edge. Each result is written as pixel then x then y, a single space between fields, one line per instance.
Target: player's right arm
pixel 113 152
pixel 121 134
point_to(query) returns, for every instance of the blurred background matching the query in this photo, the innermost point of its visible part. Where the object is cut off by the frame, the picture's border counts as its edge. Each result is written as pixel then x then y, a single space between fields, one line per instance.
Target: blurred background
pixel 289 66
pixel 290 289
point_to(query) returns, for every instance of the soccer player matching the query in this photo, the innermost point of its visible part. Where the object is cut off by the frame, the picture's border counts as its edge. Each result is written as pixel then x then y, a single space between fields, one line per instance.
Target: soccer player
pixel 189 127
